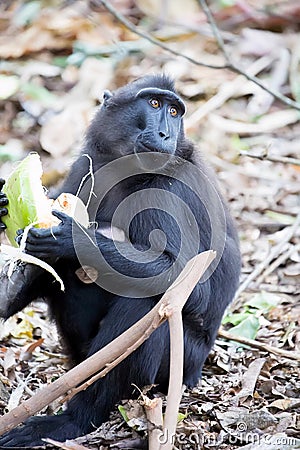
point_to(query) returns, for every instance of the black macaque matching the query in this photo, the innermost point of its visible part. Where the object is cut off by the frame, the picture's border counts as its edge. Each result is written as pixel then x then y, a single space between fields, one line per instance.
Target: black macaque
pixel 139 173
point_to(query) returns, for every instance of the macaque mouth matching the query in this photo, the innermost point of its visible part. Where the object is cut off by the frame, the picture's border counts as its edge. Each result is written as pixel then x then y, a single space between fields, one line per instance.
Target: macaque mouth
pixel 142 147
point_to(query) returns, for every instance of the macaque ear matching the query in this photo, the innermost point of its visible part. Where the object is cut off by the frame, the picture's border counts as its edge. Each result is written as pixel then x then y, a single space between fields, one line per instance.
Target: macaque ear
pixel 106 96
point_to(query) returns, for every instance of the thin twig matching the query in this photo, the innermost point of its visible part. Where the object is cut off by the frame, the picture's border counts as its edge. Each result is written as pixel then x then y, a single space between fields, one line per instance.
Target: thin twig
pixel 230 65
pixel 215 30
pixel 259 345
pixel 274 252
pixel 278 262
pixel 226 91
pixel 276 94
pixel 153 40
pixel 233 67
pixel 267 157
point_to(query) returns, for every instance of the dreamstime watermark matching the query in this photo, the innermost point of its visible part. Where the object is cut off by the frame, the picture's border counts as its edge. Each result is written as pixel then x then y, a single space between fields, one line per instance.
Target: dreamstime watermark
pixel 198 439
pixel 190 206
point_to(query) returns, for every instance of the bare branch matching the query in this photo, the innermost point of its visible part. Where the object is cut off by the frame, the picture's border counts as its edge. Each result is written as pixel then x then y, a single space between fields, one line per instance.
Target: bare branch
pixel 226 91
pixel 215 30
pixel 229 63
pixel 267 157
pixel 176 376
pixel 175 297
pixel 276 94
pixel 152 39
pixel 234 68
pixel 259 345
pixel 153 409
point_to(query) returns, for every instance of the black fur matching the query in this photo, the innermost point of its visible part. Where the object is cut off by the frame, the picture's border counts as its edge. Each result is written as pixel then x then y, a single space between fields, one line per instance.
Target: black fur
pixel 171 190
pixel 3 204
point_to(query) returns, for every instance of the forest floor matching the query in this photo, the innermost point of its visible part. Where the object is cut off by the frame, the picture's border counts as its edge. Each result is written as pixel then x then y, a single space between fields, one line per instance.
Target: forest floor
pixel 56 60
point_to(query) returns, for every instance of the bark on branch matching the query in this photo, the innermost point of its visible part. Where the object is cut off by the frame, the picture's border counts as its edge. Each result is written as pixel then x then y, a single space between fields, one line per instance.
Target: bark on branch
pixel 174 299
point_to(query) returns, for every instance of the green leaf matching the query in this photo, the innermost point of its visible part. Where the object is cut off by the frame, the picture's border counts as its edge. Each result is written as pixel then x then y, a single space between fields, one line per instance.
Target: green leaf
pixel 123 413
pixel 39 93
pixel 238 144
pixel 9 154
pixel 60 61
pixel 27 13
pixel 27 200
pixel 226 3
pixel 281 218
pixel 263 301
pixel 181 417
pixel 236 318
pixel 248 328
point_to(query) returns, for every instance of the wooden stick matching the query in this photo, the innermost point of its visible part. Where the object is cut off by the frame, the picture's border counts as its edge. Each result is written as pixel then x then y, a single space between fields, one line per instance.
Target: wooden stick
pixel 153 409
pixel 259 345
pixel 176 295
pixel 177 346
pixel 266 156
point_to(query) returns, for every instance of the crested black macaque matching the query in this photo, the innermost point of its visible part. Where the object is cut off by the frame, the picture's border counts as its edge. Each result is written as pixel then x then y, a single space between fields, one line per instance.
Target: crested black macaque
pixel 139 173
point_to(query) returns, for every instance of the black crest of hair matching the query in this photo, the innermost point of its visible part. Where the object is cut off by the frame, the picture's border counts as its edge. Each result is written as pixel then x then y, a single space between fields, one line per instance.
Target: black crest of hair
pixel 159 81
pixel 141 177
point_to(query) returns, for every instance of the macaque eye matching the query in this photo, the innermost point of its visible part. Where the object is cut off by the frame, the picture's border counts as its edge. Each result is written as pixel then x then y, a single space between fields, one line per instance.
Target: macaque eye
pixel 155 103
pixel 173 111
